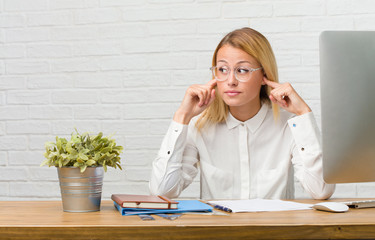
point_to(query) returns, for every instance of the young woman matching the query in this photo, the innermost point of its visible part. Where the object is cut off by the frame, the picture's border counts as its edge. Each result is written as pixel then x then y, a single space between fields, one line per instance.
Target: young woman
pixel 244 145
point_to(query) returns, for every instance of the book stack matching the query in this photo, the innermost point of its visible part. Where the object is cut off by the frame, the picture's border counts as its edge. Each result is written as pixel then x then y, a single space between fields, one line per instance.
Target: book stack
pixel 129 204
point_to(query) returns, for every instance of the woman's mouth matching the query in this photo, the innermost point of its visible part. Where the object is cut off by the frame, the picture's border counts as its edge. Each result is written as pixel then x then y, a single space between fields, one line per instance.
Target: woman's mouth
pixel 232 93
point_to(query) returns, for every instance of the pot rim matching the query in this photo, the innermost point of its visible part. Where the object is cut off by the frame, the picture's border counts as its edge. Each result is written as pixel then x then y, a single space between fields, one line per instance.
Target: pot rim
pixel 78 167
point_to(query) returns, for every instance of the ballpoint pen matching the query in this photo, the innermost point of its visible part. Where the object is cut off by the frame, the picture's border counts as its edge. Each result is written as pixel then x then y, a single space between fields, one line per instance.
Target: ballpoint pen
pixel 222 208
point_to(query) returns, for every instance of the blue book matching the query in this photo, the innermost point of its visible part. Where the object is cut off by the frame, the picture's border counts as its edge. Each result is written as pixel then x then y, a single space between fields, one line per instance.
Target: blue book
pixel 183 206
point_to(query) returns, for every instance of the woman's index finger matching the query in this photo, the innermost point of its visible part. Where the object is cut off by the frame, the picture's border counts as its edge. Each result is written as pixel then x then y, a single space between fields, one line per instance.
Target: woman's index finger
pixel 212 82
pixel 271 83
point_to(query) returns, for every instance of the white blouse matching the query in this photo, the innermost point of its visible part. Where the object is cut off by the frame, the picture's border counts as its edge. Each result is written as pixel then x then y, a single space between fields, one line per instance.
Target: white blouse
pixel 257 158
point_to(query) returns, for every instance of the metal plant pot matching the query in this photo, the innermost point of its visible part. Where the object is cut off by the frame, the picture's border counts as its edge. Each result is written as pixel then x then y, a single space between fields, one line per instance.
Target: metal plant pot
pixel 81 192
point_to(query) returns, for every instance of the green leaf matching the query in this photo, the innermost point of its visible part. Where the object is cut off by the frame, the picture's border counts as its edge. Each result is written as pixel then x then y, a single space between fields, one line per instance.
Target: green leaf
pixel 45 162
pixel 98 137
pixel 91 162
pixel 69 147
pixel 119 166
pixel 105 150
pixel 83 168
pixel 105 167
pixel 75 139
pixel 59 145
pixel 60 162
pixel 85 151
pixel 98 147
pixel 49 145
pixel 82 156
pixel 79 160
pixel 66 161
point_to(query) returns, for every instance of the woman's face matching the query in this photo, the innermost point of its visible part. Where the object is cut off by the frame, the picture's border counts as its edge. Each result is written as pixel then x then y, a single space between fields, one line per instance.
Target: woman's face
pixel 233 92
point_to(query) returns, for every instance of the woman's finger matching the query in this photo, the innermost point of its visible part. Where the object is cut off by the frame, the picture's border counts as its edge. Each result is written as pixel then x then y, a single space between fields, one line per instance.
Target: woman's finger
pixel 206 95
pixel 280 97
pixel 202 93
pixel 272 84
pixel 279 100
pixel 212 83
pixel 212 97
pixel 277 94
pixel 273 99
pixel 201 97
pixel 196 94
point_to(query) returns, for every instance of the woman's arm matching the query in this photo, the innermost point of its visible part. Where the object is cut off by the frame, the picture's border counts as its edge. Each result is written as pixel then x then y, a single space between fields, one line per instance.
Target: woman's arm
pixel 176 164
pixel 307 156
pixel 307 152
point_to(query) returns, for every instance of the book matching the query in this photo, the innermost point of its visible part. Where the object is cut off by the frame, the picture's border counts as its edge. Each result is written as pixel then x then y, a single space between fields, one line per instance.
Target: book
pixel 144 201
pixel 183 206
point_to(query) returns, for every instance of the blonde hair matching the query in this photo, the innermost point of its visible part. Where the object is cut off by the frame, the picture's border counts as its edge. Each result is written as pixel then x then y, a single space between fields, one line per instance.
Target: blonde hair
pixel 256 45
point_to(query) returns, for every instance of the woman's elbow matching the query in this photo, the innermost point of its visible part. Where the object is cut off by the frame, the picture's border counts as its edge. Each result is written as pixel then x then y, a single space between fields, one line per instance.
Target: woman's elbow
pixel 325 193
pixel 158 190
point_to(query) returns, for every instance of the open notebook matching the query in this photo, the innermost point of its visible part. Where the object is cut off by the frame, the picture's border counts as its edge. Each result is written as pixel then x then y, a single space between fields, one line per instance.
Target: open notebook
pixel 259 205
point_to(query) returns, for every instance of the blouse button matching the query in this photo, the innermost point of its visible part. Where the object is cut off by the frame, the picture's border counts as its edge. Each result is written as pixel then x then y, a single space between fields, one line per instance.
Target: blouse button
pixel 302 149
pixel 169 152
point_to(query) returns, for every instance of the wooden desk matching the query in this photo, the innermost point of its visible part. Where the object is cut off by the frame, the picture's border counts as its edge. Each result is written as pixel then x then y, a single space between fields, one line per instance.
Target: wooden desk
pixel 46 220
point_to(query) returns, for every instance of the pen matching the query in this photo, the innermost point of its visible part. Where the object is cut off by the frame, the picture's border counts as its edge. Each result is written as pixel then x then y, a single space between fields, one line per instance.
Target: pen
pixel 222 208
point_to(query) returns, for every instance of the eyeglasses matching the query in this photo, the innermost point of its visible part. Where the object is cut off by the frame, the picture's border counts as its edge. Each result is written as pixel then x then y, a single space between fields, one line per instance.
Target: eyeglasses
pixel 242 73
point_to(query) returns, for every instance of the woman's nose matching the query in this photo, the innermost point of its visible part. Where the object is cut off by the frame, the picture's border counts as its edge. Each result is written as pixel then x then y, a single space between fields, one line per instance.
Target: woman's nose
pixel 232 79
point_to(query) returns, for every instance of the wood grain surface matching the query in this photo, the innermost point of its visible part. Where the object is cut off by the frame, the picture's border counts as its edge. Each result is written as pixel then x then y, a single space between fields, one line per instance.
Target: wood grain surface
pixel 46 220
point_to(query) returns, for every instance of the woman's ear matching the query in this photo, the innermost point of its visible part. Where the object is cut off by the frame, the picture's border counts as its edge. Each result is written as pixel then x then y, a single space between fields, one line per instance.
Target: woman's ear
pixel 263 82
pixel 264 75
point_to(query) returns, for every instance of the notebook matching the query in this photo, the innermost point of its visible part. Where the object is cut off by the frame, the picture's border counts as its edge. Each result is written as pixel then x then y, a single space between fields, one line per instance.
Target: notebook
pixel 144 201
pixel 183 206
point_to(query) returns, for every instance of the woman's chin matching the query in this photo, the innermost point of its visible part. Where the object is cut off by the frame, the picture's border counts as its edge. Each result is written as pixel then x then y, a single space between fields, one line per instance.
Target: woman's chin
pixel 233 102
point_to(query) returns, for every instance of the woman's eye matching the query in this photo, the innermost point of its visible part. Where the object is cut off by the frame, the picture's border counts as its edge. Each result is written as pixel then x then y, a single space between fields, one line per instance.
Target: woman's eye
pixel 243 70
pixel 223 70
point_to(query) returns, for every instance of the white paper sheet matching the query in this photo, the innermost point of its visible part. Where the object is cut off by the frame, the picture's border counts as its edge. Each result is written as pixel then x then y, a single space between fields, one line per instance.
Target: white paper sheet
pixel 261 205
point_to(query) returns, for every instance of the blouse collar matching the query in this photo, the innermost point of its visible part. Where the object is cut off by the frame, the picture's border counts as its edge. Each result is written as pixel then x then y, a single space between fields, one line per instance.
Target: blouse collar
pixel 253 123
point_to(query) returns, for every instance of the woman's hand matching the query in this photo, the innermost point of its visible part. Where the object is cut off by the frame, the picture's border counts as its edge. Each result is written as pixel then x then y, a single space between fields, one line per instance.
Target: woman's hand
pixel 197 98
pixel 286 97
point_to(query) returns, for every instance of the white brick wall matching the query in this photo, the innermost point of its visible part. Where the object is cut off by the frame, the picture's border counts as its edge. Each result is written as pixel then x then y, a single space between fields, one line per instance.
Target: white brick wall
pixel 122 67
pixel 25 6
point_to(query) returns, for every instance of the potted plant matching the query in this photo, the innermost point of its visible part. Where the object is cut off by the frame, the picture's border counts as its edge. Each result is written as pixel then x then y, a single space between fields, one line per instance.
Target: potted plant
pixel 80 164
